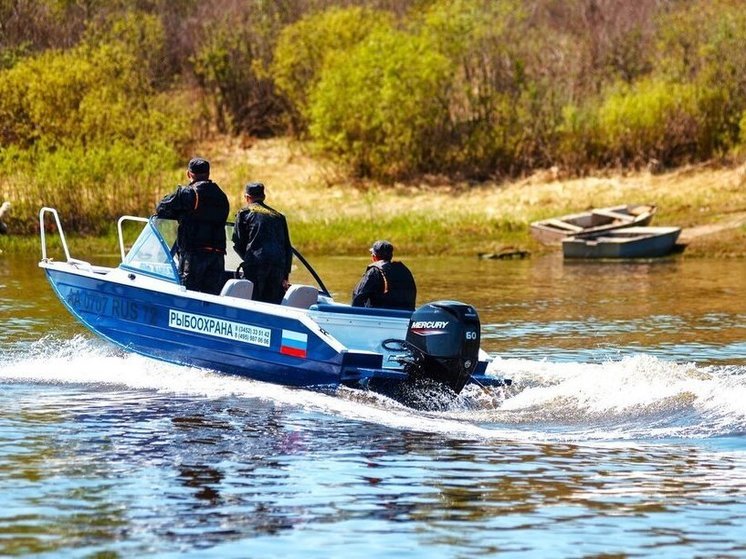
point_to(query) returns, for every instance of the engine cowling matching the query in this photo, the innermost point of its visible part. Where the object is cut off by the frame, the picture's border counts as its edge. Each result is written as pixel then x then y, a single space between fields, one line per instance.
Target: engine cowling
pixel 446 335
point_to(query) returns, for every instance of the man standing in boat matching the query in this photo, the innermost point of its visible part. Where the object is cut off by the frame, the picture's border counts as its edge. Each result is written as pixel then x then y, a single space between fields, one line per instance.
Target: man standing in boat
pixel 385 284
pixel 202 209
pixel 262 240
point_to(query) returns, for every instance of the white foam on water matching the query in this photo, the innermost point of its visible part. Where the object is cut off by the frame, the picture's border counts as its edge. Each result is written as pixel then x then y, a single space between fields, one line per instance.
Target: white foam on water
pixel 639 397
pixel 85 361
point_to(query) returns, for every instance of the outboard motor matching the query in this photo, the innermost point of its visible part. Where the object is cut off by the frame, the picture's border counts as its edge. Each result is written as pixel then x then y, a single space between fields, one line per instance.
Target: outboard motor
pixel 444 338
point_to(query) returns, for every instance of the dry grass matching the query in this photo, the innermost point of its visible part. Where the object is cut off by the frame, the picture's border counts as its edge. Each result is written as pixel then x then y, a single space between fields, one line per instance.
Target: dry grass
pixel 328 213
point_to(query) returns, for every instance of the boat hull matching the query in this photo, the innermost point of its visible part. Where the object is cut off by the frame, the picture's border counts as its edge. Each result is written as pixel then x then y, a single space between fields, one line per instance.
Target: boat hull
pixel 633 242
pixel 201 333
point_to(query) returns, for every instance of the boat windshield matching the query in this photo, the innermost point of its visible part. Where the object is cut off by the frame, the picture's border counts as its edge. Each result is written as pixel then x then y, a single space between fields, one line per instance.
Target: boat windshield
pixel 232 259
pixel 151 252
pixel 154 251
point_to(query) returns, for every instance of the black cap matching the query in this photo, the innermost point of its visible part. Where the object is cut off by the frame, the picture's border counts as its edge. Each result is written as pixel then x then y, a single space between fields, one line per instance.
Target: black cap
pixel 199 166
pixel 383 250
pixel 255 190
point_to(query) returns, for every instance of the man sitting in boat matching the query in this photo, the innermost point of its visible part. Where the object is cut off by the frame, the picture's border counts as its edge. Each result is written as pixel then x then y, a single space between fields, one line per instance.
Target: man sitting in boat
pixel 385 284
pixel 202 210
pixel 262 240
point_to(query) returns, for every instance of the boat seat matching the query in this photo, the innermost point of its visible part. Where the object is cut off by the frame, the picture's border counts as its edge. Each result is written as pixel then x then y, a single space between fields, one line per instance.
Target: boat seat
pixel 241 288
pixel 614 215
pixel 559 224
pixel 300 296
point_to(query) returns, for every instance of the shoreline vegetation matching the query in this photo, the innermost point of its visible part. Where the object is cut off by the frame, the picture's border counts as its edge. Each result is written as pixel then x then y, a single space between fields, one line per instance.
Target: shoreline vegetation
pixel 446 126
pixel 329 214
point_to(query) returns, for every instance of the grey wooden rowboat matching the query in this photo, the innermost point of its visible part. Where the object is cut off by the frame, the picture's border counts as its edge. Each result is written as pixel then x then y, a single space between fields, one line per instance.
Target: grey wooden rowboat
pixel 630 242
pixel 553 230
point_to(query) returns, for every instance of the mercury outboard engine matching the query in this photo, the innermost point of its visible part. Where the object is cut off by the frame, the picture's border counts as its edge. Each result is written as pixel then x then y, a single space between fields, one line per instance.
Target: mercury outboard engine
pixel 443 338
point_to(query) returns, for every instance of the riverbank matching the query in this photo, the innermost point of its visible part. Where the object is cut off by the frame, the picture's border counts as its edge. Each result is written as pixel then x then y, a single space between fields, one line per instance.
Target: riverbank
pixel 328 214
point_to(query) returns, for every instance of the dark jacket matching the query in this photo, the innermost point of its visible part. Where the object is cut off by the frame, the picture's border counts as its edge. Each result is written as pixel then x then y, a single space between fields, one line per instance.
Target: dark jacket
pixel 386 285
pixel 261 237
pixel 202 210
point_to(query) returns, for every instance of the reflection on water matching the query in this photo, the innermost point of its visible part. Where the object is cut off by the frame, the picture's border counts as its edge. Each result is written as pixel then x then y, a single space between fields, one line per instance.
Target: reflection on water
pixel 623 434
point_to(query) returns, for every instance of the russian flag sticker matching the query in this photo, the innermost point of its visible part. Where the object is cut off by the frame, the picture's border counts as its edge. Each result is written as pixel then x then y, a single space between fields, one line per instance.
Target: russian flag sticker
pixel 294 343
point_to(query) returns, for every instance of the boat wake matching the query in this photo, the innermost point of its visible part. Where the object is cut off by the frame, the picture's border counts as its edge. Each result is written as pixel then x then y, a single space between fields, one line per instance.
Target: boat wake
pixel 634 398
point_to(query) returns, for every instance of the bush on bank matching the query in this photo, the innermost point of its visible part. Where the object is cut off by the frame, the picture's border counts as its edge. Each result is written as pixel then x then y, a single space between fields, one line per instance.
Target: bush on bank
pixel 377 107
pixel 514 94
pixel 304 48
pixel 85 130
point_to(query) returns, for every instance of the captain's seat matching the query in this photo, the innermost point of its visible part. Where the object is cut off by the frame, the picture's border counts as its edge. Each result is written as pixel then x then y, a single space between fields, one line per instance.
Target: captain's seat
pixel 300 296
pixel 241 288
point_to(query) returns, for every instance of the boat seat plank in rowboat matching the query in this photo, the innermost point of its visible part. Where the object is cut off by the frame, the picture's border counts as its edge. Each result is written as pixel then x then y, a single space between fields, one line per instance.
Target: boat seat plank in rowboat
pixel 552 231
pixel 563 225
pixel 614 215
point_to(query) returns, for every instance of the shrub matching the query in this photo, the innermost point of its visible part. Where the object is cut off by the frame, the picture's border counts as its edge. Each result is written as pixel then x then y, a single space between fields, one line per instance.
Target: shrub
pixel 229 66
pixel 89 94
pixel 303 50
pixel 90 186
pixel 86 130
pixel 485 83
pixel 381 105
pixel 703 44
pixel 652 119
pixel 578 146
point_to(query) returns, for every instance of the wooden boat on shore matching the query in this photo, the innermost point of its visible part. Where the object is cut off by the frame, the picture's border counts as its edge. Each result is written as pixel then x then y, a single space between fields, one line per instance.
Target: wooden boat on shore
pixel 553 230
pixel 629 242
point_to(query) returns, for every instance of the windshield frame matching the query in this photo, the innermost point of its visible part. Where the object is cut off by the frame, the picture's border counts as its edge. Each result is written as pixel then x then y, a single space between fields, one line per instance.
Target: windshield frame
pixel 159 236
pixel 150 253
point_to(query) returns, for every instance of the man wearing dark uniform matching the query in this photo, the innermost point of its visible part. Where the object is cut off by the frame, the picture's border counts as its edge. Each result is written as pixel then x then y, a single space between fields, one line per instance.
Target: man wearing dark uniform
pixel 262 240
pixel 385 284
pixel 202 209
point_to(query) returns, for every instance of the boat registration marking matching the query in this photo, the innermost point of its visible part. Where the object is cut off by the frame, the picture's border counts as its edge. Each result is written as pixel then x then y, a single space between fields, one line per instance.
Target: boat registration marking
pixel 220 328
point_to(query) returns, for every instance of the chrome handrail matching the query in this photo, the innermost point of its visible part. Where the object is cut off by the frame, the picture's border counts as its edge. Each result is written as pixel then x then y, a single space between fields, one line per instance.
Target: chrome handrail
pixel 53 211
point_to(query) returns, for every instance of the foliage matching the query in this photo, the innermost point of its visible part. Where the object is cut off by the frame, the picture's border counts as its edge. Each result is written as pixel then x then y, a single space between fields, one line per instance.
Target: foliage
pixel 703 44
pixel 99 91
pixel 483 91
pixel 742 133
pixel 230 67
pixel 304 48
pixel 91 186
pixel 379 106
pixel 76 124
pixel 650 120
pixel 524 89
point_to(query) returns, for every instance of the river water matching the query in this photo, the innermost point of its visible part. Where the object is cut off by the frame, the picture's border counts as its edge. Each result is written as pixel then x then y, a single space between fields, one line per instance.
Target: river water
pixel 624 433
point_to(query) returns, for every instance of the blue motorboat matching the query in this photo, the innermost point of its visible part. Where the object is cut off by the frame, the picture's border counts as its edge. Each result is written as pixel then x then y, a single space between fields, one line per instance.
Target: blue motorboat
pixel 308 340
